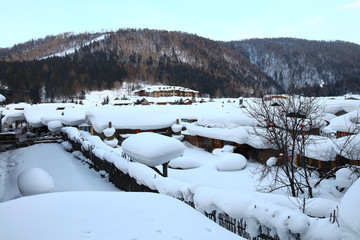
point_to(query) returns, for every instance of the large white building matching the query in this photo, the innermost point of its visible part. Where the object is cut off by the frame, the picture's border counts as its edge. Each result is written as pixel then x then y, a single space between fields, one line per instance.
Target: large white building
pixel 166 91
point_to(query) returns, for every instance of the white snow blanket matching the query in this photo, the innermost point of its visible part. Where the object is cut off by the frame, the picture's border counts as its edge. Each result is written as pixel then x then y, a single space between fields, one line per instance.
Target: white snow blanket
pixel 349 213
pixel 225 119
pixel 105 215
pixel 237 135
pixel 152 149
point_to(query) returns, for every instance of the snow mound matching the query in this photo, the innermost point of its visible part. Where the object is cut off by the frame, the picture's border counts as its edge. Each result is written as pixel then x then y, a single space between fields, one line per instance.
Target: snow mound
pixel 2 98
pixel 184 163
pixel 152 149
pixel 112 143
pixel 109 132
pixel 176 128
pixel 34 181
pixel 178 137
pixel 343 178
pixel 67 145
pixel 349 213
pixel 231 162
pixel 271 161
pixel 223 150
pixel 54 126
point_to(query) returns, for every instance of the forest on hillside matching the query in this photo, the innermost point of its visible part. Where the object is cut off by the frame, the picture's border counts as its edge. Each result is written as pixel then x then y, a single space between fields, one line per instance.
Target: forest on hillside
pixel 62 66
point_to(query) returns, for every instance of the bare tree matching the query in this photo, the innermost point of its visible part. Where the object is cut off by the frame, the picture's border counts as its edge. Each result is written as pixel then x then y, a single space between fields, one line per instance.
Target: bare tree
pixel 284 124
pixel 117 87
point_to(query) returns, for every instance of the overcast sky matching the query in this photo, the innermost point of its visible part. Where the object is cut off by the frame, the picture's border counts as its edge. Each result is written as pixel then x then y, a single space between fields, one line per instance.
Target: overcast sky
pixel 23 20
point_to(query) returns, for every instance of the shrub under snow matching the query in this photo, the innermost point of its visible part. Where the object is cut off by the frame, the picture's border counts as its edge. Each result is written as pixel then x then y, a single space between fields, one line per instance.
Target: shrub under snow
pixel 34 181
pixel 343 178
pixel 231 162
pixel 184 163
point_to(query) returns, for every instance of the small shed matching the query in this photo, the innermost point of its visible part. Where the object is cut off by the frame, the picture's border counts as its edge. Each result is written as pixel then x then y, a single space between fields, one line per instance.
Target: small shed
pixel 152 149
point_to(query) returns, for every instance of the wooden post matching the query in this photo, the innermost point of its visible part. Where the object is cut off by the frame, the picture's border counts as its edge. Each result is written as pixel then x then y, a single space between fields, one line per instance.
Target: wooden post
pixel 333 164
pixel 320 164
pixel 165 169
pixel 110 124
pixel 91 130
pixel 310 161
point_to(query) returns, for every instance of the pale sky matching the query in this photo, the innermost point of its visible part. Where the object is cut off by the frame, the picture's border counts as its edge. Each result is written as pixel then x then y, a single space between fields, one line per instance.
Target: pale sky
pixel 23 20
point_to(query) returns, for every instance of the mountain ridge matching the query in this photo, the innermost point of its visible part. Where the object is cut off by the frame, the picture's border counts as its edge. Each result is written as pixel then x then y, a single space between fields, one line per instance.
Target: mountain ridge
pixel 94 61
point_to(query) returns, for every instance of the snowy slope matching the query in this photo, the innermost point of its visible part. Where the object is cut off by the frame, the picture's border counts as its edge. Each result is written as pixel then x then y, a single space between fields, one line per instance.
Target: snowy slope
pixel 105 215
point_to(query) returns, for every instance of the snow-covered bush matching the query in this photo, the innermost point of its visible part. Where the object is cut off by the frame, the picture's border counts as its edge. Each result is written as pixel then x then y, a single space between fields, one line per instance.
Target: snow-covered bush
pixel 223 150
pixel 271 161
pixel 67 145
pixel 231 162
pixel 34 181
pixel 184 163
pixel 344 179
pixel 112 143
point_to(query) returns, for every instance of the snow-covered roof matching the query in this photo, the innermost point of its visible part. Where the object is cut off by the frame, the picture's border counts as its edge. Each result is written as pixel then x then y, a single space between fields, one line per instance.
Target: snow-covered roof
pixel 164 88
pixel 237 135
pixel 152 149
pixel 130 117
pixel 225 119
pixel 346 123
pixel 14 112
pixel 66 113
pixel 320 148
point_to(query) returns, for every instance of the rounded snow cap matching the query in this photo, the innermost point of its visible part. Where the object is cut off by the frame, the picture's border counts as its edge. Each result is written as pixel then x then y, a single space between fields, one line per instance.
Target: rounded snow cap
pixel 34 181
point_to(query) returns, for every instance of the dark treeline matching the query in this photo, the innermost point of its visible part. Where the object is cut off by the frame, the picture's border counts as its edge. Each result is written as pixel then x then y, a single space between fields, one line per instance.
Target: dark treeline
pixel 233 69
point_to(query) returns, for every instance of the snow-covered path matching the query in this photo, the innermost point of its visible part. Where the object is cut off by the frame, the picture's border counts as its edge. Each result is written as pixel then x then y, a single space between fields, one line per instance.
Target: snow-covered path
pixel 69 174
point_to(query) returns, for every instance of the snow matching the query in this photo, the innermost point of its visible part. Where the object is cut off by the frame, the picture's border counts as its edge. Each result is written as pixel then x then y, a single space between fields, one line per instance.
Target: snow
pixel 224 150
pixel 152 149
pixel 227 119
pixel 212 180
pixel 109 132
pixel 231 162
pixel 349 213
pixel 184 163
pixel 112 143
pixel 130 117
pixel 237 135
pixel 176 128
pixel 271 161
pixel 54 126
pixel 68 173
pixel 344 178
pixel 2 98
pixel 105 215
pixel 34 181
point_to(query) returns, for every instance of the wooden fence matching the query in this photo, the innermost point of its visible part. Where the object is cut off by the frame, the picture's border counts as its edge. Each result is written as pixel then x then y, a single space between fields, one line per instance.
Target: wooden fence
pixel 127 183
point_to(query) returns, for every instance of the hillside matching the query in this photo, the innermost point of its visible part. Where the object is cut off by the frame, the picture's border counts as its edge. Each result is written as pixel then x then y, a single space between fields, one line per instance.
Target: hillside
pixel 315 67
pixel 61 66
pixel 150 56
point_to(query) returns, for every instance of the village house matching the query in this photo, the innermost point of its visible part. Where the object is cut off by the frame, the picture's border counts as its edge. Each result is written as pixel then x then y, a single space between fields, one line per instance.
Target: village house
pixel 166 91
